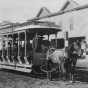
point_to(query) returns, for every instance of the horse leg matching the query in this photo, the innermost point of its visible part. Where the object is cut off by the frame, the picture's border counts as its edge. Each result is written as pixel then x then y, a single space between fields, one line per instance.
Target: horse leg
pixel 63 71
pixel 59 71
pixel 69 67
pixel 74 67
pixel 72 70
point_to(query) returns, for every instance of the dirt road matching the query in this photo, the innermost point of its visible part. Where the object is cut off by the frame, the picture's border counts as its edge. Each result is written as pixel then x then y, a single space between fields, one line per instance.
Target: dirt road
pixel 13 79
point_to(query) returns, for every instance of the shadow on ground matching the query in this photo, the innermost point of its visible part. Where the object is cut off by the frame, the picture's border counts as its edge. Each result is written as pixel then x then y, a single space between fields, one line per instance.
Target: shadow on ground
pixel 80 75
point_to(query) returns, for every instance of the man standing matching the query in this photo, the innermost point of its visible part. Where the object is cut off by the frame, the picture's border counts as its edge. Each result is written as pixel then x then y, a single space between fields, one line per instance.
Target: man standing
pixel 73 55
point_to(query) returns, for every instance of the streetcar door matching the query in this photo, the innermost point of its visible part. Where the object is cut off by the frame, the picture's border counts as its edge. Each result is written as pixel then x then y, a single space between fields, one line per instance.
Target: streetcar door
pixel 39 54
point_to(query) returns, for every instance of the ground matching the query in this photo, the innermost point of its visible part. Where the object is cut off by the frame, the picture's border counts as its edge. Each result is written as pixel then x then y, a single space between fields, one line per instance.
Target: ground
pixel 12 79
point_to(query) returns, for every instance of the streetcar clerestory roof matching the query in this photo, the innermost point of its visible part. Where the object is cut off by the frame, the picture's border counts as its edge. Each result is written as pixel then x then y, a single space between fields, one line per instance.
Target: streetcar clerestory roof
pixel 44 31
pixel 40 27
pixel 43 28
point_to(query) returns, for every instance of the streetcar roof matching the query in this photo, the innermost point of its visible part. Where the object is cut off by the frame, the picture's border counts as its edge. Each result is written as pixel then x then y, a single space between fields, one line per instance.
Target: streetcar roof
pixel 41 27
pixel 43 31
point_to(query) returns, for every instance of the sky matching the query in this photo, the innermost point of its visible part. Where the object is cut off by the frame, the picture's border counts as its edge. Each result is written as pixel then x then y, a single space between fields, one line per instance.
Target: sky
pixel 22 10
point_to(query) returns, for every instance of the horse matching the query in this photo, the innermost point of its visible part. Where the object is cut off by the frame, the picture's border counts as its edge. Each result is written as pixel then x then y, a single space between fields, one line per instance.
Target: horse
pixel 56 57
pixel 65 60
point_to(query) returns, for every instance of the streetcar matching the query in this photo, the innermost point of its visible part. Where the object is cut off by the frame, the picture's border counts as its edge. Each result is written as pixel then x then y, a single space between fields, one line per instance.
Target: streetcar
pixel 20 47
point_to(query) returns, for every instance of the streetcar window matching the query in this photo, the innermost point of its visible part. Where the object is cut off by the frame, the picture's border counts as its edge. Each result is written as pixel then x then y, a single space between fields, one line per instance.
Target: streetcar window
pixel 15 45
pixel 60 43
pixel 1 50
pixel 22 46
pixel 42 44
pixel 10 50
pixel 4 47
